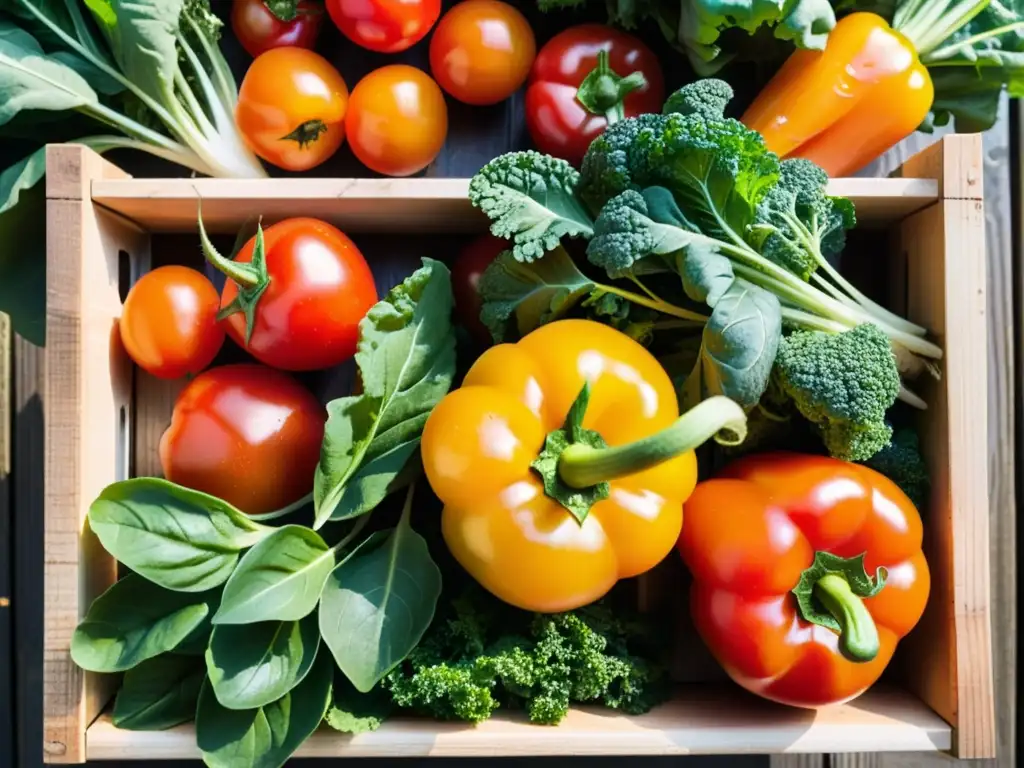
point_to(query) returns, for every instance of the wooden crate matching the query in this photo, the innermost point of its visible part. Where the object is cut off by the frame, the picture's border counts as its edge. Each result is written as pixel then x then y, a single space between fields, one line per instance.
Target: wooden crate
pixel 103 419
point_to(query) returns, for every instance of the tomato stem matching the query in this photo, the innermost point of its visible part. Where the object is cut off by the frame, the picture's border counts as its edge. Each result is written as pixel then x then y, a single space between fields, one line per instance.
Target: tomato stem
pixel 581 465
pixel 858 635
pixel 603 89
pixel 307 133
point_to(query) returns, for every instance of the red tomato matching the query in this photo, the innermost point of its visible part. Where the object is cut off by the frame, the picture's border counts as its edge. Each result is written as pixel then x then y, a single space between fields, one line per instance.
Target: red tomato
pixel 558 122
pixel 481 51
pixel 307 300
pixel 385 26
pixel 169 322
pixel 258 29
pixel 246 434
pixel 466 272
pixel 291 108
pixel 397 120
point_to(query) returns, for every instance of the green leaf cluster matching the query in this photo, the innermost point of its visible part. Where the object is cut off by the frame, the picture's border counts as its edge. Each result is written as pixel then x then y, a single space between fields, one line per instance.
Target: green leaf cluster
pixel 691 197
pixel 259 632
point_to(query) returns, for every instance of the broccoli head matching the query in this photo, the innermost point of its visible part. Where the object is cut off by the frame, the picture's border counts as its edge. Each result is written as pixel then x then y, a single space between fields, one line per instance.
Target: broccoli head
pixel 843 383
pixel 708 97
pixel 901 462
pixel 611 166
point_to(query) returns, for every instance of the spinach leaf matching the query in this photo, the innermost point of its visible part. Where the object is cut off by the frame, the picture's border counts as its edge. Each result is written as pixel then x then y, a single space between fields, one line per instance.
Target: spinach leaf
pixel 528 295
pixel 159 693
pixel 278 579
pixel 135 620
pixel 354 712
pixel 251 665
pixel 268 736
pixel 176 537
pixel 23 248
pixel 29 79
pixel 531 199
pixel 378 602
pixel 406 360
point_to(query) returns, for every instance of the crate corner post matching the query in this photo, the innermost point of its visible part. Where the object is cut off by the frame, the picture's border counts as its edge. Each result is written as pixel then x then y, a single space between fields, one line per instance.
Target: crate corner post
pixel 87 399
pixel 950 660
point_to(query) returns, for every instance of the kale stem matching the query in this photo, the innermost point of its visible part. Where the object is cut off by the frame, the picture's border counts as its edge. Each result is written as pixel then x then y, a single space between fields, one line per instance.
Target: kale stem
pixel 934 58
pixel 643 287
pixel 658 305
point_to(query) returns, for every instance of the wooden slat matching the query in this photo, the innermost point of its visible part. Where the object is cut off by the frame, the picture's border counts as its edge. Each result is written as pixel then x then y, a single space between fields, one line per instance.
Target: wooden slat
pixel 949 655
pixel 7 674
pixel 87 398
pixel 701 720
pixel 393 205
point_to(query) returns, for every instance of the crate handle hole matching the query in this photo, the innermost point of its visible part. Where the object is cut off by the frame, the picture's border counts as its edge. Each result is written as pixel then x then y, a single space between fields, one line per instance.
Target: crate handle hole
pixel 123 452
pixel 124 274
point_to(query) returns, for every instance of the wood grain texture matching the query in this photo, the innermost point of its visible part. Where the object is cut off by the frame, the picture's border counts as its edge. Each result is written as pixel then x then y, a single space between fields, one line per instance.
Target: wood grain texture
pixel 417 205
pixel 87 397
pixel 7 706
pixel 700 720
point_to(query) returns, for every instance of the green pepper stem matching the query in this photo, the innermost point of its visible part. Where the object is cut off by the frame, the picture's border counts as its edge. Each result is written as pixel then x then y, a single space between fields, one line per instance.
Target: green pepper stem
pixel 242 273
pixel 858 635
pixel 581 466
pixel 603 90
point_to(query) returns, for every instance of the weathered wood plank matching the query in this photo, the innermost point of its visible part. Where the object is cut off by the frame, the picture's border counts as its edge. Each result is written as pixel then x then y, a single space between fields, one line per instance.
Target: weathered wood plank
pixel 7 707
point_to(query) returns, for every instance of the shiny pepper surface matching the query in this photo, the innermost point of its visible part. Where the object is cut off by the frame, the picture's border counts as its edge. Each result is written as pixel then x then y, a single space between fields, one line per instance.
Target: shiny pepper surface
pixel 759 529
pixel 482 441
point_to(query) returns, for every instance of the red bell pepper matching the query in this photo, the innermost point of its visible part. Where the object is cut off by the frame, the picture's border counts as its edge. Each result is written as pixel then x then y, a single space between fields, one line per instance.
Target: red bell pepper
pixel 781 546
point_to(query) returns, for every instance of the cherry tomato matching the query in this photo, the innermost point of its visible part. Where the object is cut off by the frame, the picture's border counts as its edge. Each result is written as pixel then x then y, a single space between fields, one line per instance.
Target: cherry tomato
pixel 466 272
pixel 558 122
pixel 169 322
pixel 306 300
pixel 291 108
pixel 481 51
pixel 385 26
pixel 246 434
pixel 259 29
pixel 397 120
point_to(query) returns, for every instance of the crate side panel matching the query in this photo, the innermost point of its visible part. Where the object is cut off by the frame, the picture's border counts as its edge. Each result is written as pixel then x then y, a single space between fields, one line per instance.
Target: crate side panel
pixel 948 656
pixel 87 401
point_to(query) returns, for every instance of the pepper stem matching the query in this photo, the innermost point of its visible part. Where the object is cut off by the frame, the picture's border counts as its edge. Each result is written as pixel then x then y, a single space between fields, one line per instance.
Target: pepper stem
pixel 858 635
pixel 581 465
pixel 242 273
pixel 603 89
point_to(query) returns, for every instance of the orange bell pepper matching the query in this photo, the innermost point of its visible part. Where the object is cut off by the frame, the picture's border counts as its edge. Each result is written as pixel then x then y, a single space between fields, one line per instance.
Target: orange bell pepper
pixel 844 106
pixel 563 464
pixel 780 546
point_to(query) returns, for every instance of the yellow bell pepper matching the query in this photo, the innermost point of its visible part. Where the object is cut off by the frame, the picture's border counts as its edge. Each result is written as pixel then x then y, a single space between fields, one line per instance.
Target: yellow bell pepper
pixel 563 464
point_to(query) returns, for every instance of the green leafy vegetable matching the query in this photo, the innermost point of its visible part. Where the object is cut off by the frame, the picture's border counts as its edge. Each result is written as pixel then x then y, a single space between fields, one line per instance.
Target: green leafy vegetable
pixel 484 654
pixel 252 665
pixel 159 693
pixel 531 199
pixel 406 360
pixel 378 602
pixel 176 537
pixel 354 712
pixel 268 736
pixel 901 462
pixel 278 579
pixel 135 620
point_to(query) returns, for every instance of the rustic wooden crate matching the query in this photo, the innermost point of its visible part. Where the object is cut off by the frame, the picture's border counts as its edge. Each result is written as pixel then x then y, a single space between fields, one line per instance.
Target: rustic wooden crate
pixel 103 418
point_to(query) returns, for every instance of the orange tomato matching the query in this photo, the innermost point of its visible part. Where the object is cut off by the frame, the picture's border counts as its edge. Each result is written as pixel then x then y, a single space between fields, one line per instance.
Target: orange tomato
pixel 169 322
pixel 397 120
pixel 482 51
pixel 247 434
pixel 291 108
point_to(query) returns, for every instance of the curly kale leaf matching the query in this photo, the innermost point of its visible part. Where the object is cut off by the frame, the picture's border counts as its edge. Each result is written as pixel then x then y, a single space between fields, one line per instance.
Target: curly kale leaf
pixel 484 656
pixel 843 383
pixel 531 200
pixel 518 297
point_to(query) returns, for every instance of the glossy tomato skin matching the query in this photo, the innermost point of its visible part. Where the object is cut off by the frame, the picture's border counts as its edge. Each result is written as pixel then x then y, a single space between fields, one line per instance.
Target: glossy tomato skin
pixel 559 125
pixel 397 120
pixel 247 434
pixel 291 108
pixel 259 30
pixel 169 322
pixel 320 288
pixel 385 26
pixel 473 259
pixel 481 51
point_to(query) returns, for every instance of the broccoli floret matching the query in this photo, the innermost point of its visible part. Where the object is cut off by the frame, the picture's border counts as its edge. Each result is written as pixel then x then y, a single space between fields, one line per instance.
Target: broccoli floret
pixel 708 97
pixel 901 462
pixel 843 383
pixel 530 199
pixel 486 656
pixel 612 165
